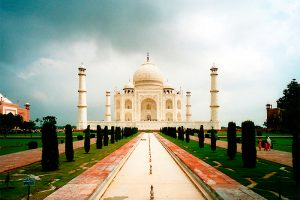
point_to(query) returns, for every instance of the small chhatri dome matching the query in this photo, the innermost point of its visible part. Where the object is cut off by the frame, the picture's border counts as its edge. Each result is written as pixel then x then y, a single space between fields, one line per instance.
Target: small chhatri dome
pixel 168 86
pixel 148 74
pixel 129 85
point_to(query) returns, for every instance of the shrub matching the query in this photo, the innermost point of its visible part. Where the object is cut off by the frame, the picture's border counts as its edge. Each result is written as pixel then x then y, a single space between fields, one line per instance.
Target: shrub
pixel 296 157
pixel 32 145
pixel 92 135
pixel 79 137
pixel 112 137
pixel 50 155
pixel 105 136
pixel 213 139
pixel 248 144
pixel 99 137
pixel 118 134
pixel 201 137
pixel 87 140
pixel 231 138
pixel 187 135
pixel 207 135
pixel 69 151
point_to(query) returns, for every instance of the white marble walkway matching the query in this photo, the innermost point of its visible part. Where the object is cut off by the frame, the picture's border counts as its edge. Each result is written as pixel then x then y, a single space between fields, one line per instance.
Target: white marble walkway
pixel 134 179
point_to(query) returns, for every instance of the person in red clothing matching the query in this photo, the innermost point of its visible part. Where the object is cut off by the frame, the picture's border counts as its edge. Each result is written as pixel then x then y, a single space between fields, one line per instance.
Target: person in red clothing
pixel 266 146
pixel 259 141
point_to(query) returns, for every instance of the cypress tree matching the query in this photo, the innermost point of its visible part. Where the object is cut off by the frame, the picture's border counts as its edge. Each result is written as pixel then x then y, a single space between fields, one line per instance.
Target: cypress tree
pixel 69 151
pixel 112 138
pixel 105 136
pixel 201 137
pixel 187 135
pixel 99 137
pixel 116 134
pixel 50 154
pixel 213 139
pixel 248 144
pixel 231 138
pixel 296 157
pixel 87 140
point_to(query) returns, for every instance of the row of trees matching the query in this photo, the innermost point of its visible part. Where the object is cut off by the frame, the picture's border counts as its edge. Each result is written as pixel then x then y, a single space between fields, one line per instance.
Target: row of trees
pixel 50 154
pixel 9 121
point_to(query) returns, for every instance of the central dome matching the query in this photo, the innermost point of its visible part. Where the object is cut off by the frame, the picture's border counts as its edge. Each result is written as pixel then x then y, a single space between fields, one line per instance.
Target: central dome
pixel 148 74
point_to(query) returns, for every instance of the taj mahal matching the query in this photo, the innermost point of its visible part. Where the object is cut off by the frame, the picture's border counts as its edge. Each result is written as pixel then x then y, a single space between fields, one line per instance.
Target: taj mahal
pixel 148 102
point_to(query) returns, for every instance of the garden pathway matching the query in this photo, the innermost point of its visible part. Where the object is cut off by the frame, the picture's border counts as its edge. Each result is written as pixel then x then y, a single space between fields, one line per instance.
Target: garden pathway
pixel 281 157
pixel 23 158
pixel 135 179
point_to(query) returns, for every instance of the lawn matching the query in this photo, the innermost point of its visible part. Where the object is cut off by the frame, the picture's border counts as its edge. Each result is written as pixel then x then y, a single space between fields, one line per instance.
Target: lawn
pixel 281 144
pixel 51 180
pixel 19 142
pixel 271 178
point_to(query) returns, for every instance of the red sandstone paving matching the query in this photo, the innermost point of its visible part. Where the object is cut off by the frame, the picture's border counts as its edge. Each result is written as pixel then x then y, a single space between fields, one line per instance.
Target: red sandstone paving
pixel 281 157
pixel 223 185
pixel 23 158
pixel 84 185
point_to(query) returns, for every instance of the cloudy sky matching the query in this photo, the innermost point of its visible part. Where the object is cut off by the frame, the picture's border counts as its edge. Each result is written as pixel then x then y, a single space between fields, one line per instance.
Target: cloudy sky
pixel 255 44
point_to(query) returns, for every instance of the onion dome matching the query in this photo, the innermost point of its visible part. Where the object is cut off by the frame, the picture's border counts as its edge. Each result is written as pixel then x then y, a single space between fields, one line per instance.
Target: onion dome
pixel 148 74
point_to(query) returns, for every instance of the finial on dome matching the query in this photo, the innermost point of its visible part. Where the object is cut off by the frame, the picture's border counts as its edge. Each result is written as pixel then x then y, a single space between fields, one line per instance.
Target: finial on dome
pixel 148 57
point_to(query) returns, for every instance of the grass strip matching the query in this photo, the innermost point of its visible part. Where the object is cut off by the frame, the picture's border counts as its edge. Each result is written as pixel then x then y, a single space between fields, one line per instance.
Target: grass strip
pixel 268 178
pixel 49 181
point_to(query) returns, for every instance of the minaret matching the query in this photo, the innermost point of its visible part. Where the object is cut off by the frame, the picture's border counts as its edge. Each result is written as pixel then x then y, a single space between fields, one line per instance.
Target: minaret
pixel 214 95
pixel 188 106
pixel 108 111
pixel 82 106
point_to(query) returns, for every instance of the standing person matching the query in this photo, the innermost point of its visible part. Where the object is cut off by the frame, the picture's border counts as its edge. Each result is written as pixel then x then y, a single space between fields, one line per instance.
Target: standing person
pixel 269 143
pixel 259 141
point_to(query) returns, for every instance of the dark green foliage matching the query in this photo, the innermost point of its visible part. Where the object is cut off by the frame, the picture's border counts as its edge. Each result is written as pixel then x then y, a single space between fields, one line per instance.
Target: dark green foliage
pixel 112 137
pixel 7 179
pixel 187 135
pixel 128 131
pixel 105 136
pixel 79 137
pixel 231 138
pixel 170 131
pixel 248 144
pixel 259 133
pixel 92 135
pixel 213 139
pixel 32 145
pixel 290 105
pixel 99 137
pixel 296 157
pixel 118 134
pixel 87 139
pixel 50 153
pixel 201 137
pixel 69 151
pixel 180 135
pixel 7 123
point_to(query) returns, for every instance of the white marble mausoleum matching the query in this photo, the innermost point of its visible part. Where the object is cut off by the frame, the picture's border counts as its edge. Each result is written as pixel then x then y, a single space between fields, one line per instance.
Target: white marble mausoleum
pixel 147 102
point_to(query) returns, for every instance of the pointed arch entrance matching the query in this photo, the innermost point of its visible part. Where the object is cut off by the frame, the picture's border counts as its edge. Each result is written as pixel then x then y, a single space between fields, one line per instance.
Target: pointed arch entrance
pixel 148 110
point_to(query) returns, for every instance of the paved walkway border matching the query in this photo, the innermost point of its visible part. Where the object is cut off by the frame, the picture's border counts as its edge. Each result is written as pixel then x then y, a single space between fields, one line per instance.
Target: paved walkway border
pixel 281 157
pixel 91 183
pixel 218 183
pixel 23 158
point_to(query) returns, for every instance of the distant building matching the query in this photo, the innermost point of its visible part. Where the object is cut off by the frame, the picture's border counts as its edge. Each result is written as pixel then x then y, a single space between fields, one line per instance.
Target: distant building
pixel 148 102
pixel 274 117
pixel 7 106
